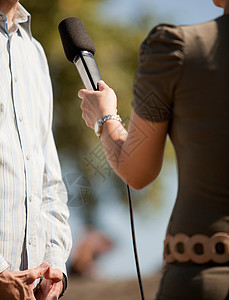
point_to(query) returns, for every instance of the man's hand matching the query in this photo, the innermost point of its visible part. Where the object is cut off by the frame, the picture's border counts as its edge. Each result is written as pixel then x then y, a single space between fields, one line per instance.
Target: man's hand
pixel 17 285
pixel 51 286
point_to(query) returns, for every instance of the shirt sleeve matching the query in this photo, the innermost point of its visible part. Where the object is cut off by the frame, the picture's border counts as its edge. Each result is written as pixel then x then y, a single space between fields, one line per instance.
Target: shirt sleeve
pixel 55 210
pixel 159 71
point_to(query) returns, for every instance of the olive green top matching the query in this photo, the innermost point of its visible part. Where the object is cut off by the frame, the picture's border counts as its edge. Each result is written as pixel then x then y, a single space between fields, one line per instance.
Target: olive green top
pixel 183 76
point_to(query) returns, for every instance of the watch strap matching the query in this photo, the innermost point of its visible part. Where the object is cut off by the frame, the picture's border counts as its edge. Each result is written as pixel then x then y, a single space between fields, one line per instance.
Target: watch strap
pixel 101 121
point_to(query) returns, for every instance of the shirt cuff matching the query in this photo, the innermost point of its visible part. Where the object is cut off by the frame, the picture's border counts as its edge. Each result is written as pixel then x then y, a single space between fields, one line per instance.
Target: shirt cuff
pixel 3 264
pixel 56 258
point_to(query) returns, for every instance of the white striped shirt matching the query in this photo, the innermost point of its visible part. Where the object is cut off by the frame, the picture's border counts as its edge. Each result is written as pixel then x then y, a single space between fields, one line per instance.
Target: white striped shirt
pixel 33 200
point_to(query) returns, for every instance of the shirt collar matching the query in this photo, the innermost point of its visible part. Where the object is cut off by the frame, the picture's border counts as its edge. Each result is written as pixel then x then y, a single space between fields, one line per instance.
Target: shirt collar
pixel 22 19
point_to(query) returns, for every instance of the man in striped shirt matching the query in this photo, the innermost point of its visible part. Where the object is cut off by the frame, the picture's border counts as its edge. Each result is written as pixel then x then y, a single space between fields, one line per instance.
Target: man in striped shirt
pixel 35 237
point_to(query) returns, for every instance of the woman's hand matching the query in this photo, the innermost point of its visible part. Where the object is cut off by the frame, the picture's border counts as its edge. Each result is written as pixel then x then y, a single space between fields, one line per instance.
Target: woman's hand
pixel 97 104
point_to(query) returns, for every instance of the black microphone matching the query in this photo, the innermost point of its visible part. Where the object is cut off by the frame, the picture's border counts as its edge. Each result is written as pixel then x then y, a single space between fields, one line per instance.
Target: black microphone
pixel 80 49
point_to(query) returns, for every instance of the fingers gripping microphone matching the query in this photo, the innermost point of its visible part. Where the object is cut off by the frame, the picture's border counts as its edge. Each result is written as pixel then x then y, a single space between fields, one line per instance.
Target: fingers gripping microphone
pixel 80 49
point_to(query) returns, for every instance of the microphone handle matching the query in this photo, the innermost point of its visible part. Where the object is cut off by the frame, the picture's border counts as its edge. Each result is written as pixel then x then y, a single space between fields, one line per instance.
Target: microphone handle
pixel 88 71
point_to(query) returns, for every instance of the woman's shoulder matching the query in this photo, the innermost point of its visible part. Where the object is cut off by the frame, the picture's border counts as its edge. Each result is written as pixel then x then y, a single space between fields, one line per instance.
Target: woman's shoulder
pixel 177 35
pixel 165 34
pixel 176 41
pixel 163 46
pixel 167 31
pixel 163 42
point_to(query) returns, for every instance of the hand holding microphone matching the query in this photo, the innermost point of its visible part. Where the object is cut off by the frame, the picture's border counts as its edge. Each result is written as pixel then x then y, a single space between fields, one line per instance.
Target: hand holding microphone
pixel 99 101
pixel 95 105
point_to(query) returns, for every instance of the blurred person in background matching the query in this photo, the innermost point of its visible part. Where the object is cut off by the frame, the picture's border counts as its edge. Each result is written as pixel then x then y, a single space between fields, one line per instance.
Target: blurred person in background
pixel 180 89
pixel 33 200
pixel 92 244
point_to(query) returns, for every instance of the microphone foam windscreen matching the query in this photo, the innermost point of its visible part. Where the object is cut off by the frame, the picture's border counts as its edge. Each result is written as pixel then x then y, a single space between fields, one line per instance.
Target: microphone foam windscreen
pixel 75 37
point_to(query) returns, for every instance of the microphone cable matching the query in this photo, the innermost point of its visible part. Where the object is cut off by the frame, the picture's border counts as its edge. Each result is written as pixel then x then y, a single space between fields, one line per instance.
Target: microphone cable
pixel 135 244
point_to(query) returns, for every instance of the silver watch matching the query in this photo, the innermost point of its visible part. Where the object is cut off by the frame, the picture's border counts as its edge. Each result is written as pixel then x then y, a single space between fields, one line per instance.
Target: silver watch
pixel 99 124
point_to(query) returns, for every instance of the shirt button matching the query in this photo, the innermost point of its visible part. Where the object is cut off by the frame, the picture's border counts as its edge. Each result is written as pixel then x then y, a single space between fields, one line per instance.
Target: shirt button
pixel 28 157
pixel 30 199
pixel 30 241
pixel 15 79
pixel 20 119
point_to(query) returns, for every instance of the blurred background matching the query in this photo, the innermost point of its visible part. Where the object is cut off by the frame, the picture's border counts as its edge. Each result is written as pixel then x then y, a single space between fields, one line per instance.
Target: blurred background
pixel 97 198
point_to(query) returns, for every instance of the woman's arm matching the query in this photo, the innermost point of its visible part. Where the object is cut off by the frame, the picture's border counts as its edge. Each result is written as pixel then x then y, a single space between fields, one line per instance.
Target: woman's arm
pixel 136 155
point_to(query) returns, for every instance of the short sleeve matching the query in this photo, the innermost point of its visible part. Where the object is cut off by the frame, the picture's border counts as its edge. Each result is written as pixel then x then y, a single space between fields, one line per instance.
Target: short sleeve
pixel 160 68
